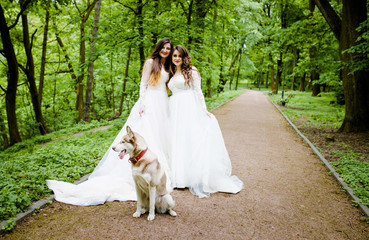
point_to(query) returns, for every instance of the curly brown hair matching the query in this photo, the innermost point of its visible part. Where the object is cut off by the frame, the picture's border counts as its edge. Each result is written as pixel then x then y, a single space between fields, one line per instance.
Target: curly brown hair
pixel 186 67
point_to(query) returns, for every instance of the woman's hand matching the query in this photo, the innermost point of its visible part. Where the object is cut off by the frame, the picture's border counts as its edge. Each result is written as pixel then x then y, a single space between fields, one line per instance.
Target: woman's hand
pixel 208 113
pixel 142 110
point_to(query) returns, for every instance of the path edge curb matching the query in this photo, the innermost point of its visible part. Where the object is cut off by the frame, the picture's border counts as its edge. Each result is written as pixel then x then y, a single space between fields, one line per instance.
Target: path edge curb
pixel 36 206
pixel 363 208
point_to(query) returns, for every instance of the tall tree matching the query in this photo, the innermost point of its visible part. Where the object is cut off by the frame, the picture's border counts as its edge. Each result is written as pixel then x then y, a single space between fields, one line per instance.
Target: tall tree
pixel 84 15
pixel 13 73
pixel 92 57
pixel 29 70
pixel 139 20
pixel 124 82
pixel 3 130
pixel 356 85
pixel 43 57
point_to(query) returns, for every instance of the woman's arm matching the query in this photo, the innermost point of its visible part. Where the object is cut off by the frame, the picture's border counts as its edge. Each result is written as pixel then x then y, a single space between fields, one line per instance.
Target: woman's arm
pixel 146 71
pixel 196 84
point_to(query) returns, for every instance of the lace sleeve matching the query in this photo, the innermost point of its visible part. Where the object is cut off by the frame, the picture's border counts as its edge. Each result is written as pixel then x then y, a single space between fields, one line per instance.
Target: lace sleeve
pixel 196 85
pixel 145 79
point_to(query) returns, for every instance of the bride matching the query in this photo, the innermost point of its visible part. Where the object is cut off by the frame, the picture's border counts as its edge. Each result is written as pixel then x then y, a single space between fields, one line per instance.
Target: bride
pixel 112 178
pixel 199 158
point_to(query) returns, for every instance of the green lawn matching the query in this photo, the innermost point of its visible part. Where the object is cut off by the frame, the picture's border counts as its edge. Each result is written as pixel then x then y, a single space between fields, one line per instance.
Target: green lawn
pixel 319 111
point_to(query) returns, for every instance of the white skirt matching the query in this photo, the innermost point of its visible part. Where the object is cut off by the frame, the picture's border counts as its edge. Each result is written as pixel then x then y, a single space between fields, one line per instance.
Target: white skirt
pixel 199 158
pixel 112 178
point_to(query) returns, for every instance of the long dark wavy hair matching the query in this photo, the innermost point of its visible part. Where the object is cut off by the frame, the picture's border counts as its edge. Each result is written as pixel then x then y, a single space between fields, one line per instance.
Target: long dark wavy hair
pixel 156 65
pixel 186 67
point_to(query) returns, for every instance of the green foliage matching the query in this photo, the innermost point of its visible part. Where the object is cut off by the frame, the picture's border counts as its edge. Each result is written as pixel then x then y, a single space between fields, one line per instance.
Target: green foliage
pixel 25 170
pixel 355 173
pixel 9 226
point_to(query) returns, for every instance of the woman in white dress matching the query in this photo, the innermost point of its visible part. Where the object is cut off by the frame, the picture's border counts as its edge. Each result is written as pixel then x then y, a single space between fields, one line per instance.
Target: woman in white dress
pixel 112 178
pixel 199 158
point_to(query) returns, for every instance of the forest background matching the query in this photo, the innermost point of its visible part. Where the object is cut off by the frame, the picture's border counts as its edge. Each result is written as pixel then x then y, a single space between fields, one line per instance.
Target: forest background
pixel 67 62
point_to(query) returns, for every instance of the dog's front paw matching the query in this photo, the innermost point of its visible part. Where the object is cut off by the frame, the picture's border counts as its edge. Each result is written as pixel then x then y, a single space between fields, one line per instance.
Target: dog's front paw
pixel 137 214
pixel 172 213
pixel 151 217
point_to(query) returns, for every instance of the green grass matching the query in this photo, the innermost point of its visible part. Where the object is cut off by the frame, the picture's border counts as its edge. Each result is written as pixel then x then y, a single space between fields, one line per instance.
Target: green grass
pixel 222 98
pixel 315 111
pixel 26 166
pixel 23 173
pixel 355 173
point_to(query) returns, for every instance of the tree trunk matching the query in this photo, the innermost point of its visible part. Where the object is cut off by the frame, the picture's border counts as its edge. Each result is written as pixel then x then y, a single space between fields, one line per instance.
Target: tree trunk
pixel 43 58
pixel 112 81
pixel 231 66
pixel 140 33
pixel 30 72
pixel 266 79
pixel 302 83
pixel 279 75
pixel 189 16
pixel 222 81
pixel 356 86
pixel 200 10
pixel 3 130
pixel 238 71
pixel 272 80
pixel 296 54
pixel 314 73
pixel 209 78
pixel 91 60
pixel 13 76
pixel 155 13
pixel 231 79
pixel 316 86
pixel 124 82
pixel 82 58
pixel 70 66
pixel 81 75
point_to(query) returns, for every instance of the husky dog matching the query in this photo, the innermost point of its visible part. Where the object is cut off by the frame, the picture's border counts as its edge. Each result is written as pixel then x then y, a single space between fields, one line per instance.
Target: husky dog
pixel 148 174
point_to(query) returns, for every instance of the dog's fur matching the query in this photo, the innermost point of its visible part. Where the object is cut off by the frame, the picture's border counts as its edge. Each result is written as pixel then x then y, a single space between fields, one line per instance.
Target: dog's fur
pixel 149 177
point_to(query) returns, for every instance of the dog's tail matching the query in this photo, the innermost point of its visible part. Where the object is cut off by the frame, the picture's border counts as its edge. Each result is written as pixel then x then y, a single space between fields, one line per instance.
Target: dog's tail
pixel 164 203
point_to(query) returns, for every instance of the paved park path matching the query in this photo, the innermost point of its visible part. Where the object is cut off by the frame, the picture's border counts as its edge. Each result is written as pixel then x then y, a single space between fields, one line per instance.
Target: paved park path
pixel 288 193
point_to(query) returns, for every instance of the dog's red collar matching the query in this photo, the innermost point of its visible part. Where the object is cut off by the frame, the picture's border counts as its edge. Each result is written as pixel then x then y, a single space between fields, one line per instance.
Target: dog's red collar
pixel 138 157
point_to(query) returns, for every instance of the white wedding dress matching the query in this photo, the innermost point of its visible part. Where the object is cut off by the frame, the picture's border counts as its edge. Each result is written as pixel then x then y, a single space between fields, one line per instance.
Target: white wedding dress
pixel 112 178
pixel 199 158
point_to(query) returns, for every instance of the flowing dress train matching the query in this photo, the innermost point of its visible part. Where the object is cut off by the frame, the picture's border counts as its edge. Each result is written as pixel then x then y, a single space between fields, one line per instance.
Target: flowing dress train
pixel 199 158
pixel 112 178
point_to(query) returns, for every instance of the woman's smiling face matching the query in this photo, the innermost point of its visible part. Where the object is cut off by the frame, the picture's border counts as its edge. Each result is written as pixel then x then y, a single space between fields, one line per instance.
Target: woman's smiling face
pixel 165 51
pixel 176 58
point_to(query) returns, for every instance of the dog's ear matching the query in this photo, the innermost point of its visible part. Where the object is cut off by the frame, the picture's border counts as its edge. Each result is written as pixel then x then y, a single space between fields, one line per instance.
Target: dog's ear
pixel 129 132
